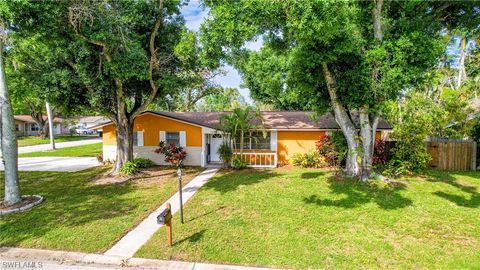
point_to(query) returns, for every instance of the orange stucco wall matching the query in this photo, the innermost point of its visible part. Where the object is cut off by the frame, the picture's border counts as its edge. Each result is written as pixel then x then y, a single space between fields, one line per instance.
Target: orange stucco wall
pixel 291 142
pixel 151 125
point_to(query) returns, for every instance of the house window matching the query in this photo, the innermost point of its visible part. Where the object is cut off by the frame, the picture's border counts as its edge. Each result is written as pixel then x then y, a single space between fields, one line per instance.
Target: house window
pixel 17 127
pixel 173 137
pixel 135 138
pixel 33 127
pixel 255 140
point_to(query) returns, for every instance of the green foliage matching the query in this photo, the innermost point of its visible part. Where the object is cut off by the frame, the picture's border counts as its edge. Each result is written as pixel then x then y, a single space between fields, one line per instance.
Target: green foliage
pixel 299 37
pixel 312 159
pixel 475 133
pixel 88 54
pixel 238 163
pixel 239 122
pixel 225 152
pixel 395 168
pixel 129 168
pixel 226 100
pixel 414 123
pixel 143 163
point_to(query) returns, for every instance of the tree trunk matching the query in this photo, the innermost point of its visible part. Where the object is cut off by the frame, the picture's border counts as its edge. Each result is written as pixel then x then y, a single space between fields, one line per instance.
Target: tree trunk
pixel 345 123
pixel 368 139
pixel 50 125
pixel 41 123
pixel 461 63
pixel 8 141
pixel 124 132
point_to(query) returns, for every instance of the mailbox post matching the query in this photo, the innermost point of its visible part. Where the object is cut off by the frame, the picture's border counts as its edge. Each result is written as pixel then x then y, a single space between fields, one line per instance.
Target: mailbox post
pixel 165 218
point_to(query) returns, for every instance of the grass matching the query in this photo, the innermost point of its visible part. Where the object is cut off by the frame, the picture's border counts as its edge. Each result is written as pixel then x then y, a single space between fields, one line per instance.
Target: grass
pixel 299 218
pixel 88 150
pixel 78 215
pixel 34 140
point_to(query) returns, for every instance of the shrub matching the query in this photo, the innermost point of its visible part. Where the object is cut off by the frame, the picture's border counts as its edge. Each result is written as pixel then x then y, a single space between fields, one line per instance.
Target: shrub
pixel 128 168
pixel 380 153
pixel 238 163
pixel 225 153
pixel 475 132
pixel 174 155
pixel 312 159
pixel 396 168
pixel 333 148
pixel 143 163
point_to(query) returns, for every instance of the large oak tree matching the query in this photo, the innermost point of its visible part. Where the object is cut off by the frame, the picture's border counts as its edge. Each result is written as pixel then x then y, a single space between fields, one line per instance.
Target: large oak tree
pixel 112 57
pixel 346 57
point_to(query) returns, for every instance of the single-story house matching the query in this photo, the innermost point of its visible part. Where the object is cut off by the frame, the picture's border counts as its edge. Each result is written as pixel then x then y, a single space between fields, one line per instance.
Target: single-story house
pixel 90 121
pixel 26 126
pixel 288 132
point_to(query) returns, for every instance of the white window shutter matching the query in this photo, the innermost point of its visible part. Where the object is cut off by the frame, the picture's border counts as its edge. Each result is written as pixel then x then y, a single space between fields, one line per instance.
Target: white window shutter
pixel 183 139
pixel 163 136
pixel 139 138
pixel 273 140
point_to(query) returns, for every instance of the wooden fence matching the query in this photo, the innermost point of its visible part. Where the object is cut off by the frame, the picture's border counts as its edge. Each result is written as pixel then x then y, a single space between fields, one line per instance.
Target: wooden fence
pixel 452 155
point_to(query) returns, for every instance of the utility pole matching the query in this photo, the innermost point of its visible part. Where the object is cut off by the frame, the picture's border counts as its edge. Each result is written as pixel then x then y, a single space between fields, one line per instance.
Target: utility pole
pixel 50 126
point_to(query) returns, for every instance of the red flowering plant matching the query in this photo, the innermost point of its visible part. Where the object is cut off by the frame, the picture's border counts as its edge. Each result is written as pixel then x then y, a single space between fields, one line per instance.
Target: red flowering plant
pixel 174 155
pixel 380 153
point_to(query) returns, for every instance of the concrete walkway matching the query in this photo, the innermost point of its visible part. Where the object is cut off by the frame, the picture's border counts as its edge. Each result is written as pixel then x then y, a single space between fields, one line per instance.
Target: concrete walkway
pixel 55 164
pixel 132 241
pixel 50 259
pixel 45 147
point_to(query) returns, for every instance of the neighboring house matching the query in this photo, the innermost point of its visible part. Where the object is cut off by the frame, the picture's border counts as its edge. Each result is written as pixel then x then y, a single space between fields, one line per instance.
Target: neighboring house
pixel 25 126
pixel 287 133
pixel 90 121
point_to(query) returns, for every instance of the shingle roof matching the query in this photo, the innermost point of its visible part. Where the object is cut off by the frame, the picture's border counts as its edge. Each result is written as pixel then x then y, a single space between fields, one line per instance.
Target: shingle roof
pixel 271 120
pixel 27 118
pixel 93 119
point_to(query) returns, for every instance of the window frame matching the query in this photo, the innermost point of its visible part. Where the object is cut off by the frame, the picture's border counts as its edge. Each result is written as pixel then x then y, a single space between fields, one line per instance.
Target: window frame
pixel 168 140
pixel 255 142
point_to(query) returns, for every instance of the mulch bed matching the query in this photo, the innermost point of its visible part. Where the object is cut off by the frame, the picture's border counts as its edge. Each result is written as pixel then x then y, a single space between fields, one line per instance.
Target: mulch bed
pixel 154 175
pixel 26 203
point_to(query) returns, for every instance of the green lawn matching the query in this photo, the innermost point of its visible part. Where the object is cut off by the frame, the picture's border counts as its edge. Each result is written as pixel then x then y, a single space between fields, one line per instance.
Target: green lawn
pixel 78 215
pixel 299 218
pixel 88 150
pixel 34 140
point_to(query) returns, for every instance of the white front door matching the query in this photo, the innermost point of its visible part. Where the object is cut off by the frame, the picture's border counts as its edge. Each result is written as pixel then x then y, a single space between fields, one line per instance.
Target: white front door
pixel 215 143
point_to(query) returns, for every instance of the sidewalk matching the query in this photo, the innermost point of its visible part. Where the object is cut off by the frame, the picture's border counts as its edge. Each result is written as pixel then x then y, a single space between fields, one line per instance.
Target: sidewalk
pixel 50 259
pixel 136 238
pixel 44 147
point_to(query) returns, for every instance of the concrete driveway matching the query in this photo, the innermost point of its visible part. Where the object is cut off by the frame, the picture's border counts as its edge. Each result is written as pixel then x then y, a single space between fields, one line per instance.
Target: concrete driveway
pixel 55 164
pixel 45 147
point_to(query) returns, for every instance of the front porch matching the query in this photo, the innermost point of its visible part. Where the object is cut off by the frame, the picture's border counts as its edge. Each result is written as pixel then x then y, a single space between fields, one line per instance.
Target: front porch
pixel 257 152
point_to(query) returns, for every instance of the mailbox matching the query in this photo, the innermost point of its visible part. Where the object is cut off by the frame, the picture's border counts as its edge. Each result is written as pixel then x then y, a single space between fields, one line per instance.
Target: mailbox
pixel 164 217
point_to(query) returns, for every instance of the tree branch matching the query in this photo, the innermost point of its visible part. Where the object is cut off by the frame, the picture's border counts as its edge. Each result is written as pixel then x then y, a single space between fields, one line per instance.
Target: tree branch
pixel 154 65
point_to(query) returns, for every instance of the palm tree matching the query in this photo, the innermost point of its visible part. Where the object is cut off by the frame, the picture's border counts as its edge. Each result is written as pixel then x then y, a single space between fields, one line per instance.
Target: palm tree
pixel 238 123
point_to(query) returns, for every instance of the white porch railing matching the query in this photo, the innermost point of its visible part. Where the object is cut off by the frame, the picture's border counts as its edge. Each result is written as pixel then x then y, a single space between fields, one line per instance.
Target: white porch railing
pixel 259 159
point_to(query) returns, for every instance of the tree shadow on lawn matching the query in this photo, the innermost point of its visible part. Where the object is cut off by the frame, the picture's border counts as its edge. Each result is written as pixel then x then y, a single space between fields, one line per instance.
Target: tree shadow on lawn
pixel 70 201
pixel 232 180
pixel 311 175
pixel 386 197
pixel 447 178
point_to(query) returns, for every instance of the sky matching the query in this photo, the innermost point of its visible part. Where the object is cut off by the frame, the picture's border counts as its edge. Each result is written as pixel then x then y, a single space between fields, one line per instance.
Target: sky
pixel 194 15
